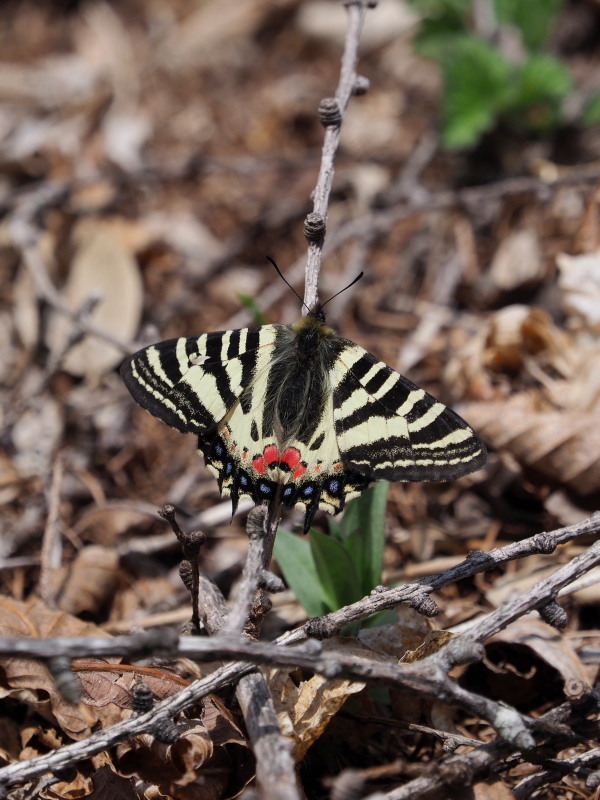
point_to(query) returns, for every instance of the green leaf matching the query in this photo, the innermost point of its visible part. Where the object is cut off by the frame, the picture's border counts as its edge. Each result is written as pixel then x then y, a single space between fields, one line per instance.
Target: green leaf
pixel 478 87
pixel 591 112
pixel 296 562
pixel 336 531
pixel 542 78
pixel 442 8
pixel 534 18
pixel 339 581
pixel 364 524
pixel 440 19
pixel 541 85
pixel 251 305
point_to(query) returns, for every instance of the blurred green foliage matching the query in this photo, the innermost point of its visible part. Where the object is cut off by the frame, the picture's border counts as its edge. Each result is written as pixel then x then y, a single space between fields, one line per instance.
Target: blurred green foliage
pixel 483 85
pixel 252 306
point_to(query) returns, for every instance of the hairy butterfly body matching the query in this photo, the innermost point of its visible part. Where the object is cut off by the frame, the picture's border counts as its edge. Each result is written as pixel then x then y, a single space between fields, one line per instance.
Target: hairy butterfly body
pixel 297 413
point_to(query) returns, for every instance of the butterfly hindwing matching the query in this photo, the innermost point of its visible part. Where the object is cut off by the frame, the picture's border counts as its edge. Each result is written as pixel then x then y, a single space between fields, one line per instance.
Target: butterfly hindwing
pixel 388 428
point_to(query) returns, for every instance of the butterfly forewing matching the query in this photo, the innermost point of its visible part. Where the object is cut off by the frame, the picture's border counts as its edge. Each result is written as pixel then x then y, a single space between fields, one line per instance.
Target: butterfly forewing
pixel 389 428
pixel 191 382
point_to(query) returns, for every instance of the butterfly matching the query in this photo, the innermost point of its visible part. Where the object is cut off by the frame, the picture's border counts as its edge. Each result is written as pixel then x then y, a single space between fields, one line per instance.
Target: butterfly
pixel 299 415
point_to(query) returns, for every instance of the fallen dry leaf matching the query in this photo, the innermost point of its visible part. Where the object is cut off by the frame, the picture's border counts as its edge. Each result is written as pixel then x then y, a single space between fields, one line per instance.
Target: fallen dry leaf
pixel 211 760
pixel 560 446
pixel 434 641
pixel 103 683
pixel 517 333
pixel 579 282
pixel 492 789
pixel 304 710
pixel 79 785
pixel 110 786
pixel 517 339
pixel 103 266
pixel 177 770
pixel 30 680
pixel 406 633
pixel 530 666
pixel 549 645
pixel 517 261
pixel 92 580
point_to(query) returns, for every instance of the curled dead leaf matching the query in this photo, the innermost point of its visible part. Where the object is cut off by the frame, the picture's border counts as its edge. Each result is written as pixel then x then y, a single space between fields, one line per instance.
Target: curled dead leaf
pixel 92 580
pixel 103 683
pixel 30 680
pixel 561 446
pixel 529 665
pixel 406 633
pixel 304 710
pixel 517 261
pixel 515 339
pixel 434 641
pixel 519 332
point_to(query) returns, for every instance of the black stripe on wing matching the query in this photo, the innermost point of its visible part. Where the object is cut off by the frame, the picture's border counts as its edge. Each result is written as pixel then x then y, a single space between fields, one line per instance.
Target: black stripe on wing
pixel 389 428
pixel 191 382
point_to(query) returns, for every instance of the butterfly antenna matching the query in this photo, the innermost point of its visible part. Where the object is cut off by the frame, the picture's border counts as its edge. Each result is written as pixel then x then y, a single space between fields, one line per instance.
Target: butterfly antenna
pixel 358 277
pixel 285 280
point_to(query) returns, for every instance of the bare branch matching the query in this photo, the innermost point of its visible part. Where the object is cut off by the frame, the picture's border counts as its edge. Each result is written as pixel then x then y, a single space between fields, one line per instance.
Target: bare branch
pixel 413 593
pixel 331 113
pixel 555 769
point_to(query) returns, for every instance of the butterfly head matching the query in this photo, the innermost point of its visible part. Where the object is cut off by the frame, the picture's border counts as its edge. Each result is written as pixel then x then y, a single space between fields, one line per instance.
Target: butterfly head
pixel 312 326
pixel 316 312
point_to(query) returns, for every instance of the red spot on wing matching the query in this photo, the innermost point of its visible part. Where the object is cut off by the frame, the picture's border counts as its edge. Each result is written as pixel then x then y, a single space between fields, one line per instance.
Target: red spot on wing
pixel 259 465
pixel 291 457
pixel 299 471
pixel 271 455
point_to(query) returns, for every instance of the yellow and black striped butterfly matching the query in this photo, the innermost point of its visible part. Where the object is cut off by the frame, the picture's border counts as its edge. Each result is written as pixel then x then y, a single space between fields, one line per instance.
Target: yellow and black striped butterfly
pixel 299 413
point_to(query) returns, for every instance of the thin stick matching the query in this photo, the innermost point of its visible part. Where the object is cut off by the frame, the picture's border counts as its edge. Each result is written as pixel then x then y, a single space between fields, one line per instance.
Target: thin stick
pixel 51 543
pixel 428 677
pixel 331 112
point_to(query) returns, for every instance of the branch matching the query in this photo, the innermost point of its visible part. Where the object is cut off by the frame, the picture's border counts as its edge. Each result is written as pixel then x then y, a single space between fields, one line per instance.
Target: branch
pixel 417 594
pixel 556 769
pixel 275 770
pixel 331 114
pixel 428 677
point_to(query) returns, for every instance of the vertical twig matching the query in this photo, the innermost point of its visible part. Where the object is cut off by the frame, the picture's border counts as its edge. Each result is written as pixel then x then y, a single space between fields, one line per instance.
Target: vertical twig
pixel 252 574
pixel 190 542
pixel 331 113
pixel 275 768
pixel 51 544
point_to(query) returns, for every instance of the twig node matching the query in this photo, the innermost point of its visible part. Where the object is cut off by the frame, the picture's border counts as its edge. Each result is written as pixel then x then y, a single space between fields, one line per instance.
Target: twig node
pixel 330 112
